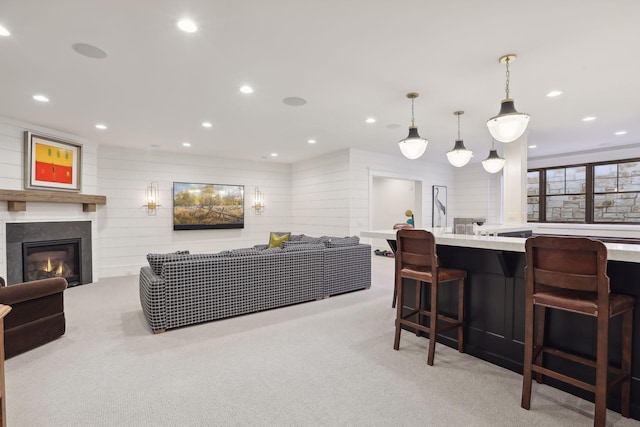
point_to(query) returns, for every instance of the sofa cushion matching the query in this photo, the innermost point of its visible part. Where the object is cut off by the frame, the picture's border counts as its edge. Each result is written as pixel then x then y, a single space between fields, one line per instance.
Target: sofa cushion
pixel 309 239
pixel 156 261
pixel 303 247
pixel 271 251
pixel 276 239
pixel 245 252
pixel 290 243
pixel 343 241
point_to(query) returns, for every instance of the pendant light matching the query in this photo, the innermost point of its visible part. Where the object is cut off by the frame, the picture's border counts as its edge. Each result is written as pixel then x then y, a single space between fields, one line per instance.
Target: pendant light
pixel 493 163
pixel 508 125
pixel 413 146
pixel 459 155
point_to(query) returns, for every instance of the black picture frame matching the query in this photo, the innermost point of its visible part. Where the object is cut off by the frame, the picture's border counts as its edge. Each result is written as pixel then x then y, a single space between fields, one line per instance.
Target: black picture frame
pixel 201 206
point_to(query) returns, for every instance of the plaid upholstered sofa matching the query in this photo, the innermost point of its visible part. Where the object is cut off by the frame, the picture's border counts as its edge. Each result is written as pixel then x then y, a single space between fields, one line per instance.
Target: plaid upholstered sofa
pixel 179 289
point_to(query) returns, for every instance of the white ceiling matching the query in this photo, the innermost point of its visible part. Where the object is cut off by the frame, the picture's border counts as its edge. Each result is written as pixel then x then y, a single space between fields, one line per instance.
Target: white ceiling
pixel 349 59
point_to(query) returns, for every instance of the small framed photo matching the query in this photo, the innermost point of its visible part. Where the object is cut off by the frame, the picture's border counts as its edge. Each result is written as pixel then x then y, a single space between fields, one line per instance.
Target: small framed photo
pixel 51 164
pixel 439 206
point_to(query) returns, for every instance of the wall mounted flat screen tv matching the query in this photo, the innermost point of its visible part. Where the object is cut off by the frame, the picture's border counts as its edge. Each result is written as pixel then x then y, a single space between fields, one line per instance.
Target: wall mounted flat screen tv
pixel 198 206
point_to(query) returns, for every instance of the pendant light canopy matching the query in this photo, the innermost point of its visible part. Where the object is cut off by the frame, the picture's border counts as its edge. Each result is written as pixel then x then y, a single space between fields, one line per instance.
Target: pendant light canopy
pixel 508 125
pixel 413 146
pixel 493 163
pixel 459 155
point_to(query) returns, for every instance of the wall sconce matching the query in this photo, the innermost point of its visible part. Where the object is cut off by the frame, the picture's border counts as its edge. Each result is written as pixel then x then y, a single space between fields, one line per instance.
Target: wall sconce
pixel 258 201
pixel 151 197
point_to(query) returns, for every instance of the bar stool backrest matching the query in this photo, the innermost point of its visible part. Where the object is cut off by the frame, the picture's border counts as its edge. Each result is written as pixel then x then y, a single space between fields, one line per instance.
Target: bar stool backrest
pixel 572 263
pixel 416 248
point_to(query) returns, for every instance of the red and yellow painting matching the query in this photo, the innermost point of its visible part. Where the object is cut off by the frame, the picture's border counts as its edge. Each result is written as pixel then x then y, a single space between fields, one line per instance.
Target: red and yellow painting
pixel 53 164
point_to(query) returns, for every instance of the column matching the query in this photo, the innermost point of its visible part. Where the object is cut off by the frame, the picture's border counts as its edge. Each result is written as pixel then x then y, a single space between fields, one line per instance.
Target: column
pixel 515 181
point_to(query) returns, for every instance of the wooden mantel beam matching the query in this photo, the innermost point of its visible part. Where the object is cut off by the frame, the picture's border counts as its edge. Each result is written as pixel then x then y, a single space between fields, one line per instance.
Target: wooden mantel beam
pixel 17 199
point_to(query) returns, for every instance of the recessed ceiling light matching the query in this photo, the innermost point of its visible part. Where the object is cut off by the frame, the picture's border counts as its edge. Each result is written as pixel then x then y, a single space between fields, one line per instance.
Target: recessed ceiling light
pixel 206 124
pixel 370 120
pixel 532 146
pixel 246 89
pixel 620 132
pixel 312 141
pixel 554 93
pixel 274 154
pixel 187 25
pixel 4 31
pixel 101 126
pixel 40 98
pixel 186 144
pixel 588 119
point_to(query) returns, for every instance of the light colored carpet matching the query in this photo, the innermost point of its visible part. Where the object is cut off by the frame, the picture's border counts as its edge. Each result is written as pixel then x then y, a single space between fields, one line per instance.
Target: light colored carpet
pixel 323 363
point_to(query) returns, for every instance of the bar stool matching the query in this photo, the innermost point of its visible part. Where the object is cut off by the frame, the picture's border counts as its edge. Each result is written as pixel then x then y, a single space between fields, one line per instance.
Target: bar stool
pixel 416 259
pixel 569 273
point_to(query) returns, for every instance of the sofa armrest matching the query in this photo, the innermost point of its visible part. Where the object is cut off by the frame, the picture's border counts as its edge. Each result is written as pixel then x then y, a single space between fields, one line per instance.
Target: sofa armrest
pixel 152 290
pixel 14 294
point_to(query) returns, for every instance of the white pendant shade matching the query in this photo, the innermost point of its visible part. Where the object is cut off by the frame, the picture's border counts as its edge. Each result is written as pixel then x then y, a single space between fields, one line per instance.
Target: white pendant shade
pixel 493 163
pixel 413 146
pixel 508 126
pixel 460 155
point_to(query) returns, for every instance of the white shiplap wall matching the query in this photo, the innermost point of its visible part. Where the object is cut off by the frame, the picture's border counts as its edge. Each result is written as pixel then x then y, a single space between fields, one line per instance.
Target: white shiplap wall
pixel 320 195
pixel 12 178
pixel 127 233
pixel 364 165
pixel 476 194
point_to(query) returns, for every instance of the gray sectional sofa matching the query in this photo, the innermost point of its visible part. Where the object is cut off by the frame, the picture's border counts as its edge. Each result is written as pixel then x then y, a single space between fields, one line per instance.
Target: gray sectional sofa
pixel 179 289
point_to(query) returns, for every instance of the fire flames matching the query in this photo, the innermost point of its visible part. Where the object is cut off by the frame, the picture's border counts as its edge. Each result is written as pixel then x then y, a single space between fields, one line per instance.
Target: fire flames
pixel 49 268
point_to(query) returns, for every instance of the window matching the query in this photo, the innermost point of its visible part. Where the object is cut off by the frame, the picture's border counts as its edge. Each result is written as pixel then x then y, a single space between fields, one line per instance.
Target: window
pixel 565 194
pixel 616 192
pixel 533 196
pixel 592 193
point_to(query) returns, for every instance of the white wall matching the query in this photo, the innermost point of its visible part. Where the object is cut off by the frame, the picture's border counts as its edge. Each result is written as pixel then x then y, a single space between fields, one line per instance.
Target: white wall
pixel 391 198
pixel 127 233
pixel 321 195
pixel 476 194
pixel 12 178
pixel 365 165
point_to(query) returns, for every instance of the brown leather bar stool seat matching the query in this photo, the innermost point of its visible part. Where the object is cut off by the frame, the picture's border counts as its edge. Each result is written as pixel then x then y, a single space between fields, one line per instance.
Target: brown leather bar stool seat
pixel 569 273
pixel 416 259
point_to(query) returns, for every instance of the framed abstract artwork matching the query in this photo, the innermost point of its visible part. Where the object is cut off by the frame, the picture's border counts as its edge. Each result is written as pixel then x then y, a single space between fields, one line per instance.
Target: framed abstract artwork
pixel 439 209
pixel 51 164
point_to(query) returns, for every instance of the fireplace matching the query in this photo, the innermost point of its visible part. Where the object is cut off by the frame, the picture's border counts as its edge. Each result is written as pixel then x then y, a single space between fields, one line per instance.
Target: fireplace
pixel 52 258
pixel 66 245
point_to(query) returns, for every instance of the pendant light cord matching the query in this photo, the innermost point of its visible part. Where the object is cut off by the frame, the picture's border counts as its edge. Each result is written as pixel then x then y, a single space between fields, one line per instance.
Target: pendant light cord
pixel 508 76
pixel 459 138
pixel 412 119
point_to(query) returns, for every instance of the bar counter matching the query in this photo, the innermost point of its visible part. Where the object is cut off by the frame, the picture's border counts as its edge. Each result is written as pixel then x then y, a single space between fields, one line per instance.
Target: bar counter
pixel 494 311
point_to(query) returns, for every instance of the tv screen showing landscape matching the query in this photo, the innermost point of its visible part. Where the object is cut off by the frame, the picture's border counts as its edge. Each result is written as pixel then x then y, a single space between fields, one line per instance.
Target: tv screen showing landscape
pixel 198 206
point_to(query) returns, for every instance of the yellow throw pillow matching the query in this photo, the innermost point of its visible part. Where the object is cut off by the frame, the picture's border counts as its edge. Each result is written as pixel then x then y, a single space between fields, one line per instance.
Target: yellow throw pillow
pixel 276 239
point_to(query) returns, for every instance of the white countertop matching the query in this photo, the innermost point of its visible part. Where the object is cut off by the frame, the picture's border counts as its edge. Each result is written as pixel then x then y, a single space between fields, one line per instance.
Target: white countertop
pixel 615 251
